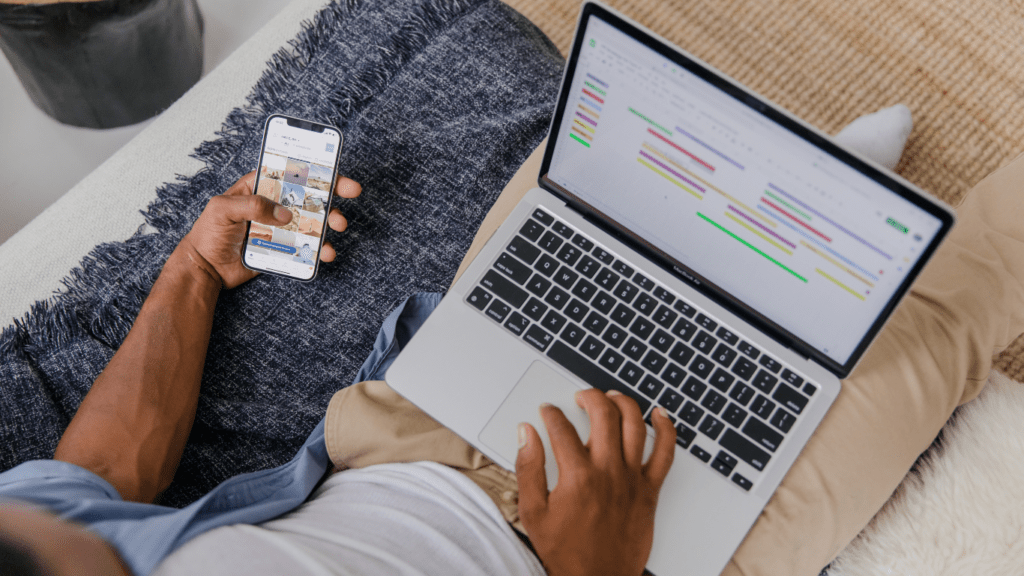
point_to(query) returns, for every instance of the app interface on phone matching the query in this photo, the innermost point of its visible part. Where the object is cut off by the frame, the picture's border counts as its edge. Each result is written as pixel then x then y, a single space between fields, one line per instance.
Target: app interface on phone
pixel 296 171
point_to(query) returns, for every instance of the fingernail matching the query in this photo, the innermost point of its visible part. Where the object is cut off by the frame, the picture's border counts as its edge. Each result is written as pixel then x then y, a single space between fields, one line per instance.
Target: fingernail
pixel 613 393
pixel 522 434
pixel 281 213
pixel 545 405
pixel 662 411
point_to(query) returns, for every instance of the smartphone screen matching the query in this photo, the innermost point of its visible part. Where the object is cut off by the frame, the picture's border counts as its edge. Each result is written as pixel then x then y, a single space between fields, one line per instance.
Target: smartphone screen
pixel 297 170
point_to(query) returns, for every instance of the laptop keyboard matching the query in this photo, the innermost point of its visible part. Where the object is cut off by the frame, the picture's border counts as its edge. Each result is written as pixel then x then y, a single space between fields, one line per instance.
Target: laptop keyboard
pixel 616 329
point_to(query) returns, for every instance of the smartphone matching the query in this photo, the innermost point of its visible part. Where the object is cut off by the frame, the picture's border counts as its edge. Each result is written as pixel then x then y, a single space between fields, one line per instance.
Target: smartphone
pixel 297 169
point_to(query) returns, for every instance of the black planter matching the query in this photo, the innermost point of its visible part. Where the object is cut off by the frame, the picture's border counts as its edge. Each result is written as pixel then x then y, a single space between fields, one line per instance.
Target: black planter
pixel 104 64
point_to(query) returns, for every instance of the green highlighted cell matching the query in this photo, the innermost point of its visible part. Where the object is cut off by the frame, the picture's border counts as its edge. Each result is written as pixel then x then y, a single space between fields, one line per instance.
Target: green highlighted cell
pixel 749 245
pixel 595 88
pixel 903 229
pixel 580 140
pixel 652 122
pixel 788 205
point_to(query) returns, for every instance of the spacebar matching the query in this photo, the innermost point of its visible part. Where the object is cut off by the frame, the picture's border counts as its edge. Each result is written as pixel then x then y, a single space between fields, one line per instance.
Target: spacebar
pixel 592 373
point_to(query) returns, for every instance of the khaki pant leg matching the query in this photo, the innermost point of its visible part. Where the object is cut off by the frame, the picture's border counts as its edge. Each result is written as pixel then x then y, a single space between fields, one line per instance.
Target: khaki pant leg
pixel 934 354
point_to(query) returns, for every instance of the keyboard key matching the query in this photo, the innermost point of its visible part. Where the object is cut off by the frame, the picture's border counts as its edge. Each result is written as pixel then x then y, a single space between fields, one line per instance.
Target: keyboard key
pixel 550 242
pixel 614 336
pixel 592 374
pixel 741 394
pixel 584 290
pixel 573 334
pixel 654 362
pixel 517 323
pixel 538 285
pixel 631 373
pixel 498 310
pixel 762 407
pixel 622 314
pixel 587 266
pixel 673 375
pixel 681 353
pixel 783 420
pixel 714 402
pixel 724 463
pixel 664 295
pixel 557 298
pixel 704 342
pixel 770 363
pixel 701 453
pixel 748 349
pixel 684 329
pixel 651 387
pixel 642 327
pixel 744 449
pixel 603 302
pixel 664 316
pixel 592 347
pixel 524 250
pixel 543 217
pixel 563 229
pixel 711 427
pixel 762 434
pixel 764 381
pixel 595 323
pixel 701 366
pixel 503 288
pixel 576 310
pixel 538 338
pixel 684 309
pixel 603 256
pixel 565 277
pixel 569 254
pixel 546 265
pixel 706 323
pixel 583 242
pixel 626 291
pixel 535 309
pixel 727 336
pixel 645 304
pixel 791 377
pixel 694 388
pixel 554 322
pixel 643 281
pixel 662 341
pixel 723 355
pixel 611 360
pixel 684 436
pixel 742 482
pixel 790 398
pixel 607 279
pixel 809 389
pixel 479 298
pixel 744 368
pixel 634 349
pixel 532 230
pixel 622 268
pixel 721 379
pixel 671 400
pixel 691 413
pixel 734 415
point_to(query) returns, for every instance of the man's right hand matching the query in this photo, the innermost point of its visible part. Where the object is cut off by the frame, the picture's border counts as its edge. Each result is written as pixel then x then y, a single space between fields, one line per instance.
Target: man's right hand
pixel 599 519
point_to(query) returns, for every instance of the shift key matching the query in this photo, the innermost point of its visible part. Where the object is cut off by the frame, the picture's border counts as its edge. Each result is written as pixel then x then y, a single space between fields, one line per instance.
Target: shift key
pixel 744 449
pixel 504 288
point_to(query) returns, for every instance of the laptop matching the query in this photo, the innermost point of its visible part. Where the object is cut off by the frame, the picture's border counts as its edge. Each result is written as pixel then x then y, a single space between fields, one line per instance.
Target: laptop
pixel 693 246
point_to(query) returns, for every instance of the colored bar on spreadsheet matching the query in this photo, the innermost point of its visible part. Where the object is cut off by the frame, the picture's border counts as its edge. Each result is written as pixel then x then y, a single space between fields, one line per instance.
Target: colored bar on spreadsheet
pixel 763 227
pixel 788 205
pixel 795 219
pixel 840 284
pixel 576 122
pixel 596 79
pixel 590 103
pixel 594 96
pixel 674 173
pixel 587 119
pixel 758 233
pixel 595 88
pixel 835 263
pixel 582 133
pixel 702 143
pixel 580 140
pixel 651 122
pixel 669 178
pixel 683 150
pixel 587 110
pixel 751 246
pixel 820 244
pixel 826 219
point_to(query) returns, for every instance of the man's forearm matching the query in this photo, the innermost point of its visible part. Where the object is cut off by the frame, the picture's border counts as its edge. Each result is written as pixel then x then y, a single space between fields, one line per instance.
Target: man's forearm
pixel 132 426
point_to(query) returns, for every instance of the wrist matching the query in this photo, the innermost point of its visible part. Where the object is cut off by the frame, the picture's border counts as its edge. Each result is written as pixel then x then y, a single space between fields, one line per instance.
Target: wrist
pixel 192 263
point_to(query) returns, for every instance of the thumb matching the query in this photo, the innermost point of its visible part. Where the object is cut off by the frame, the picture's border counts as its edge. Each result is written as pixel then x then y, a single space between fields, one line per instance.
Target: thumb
pixel 533 483
pixel 237 209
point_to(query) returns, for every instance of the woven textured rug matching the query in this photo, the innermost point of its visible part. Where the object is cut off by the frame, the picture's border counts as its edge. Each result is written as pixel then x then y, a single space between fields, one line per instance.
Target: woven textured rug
pixel 957 64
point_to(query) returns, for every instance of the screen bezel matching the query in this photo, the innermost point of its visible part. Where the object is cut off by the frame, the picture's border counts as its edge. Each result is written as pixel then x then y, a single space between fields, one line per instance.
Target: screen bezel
pixel 304 125
pixel 772 113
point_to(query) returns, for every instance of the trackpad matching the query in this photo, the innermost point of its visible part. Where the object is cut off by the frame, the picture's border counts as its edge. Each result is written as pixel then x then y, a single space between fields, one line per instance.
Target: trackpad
pixel 538 385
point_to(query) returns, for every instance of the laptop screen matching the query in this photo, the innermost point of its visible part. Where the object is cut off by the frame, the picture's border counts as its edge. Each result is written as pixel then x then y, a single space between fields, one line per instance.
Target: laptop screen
pixel 805 236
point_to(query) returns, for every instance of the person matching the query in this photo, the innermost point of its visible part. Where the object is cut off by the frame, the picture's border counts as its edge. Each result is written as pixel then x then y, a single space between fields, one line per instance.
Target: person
pixel 411 497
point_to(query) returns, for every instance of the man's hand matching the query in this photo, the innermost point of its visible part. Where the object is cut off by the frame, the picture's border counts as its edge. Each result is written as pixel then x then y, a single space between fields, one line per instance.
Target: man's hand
pixel 599 519
pixel 215 241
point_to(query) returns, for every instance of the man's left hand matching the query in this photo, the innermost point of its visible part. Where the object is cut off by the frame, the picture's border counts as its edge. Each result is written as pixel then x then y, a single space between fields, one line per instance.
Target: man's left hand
pixel 215 241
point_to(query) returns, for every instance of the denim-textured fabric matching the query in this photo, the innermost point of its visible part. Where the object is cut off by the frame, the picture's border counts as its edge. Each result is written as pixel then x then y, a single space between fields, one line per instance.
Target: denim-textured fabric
pixel 144 534
pixel 439 101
